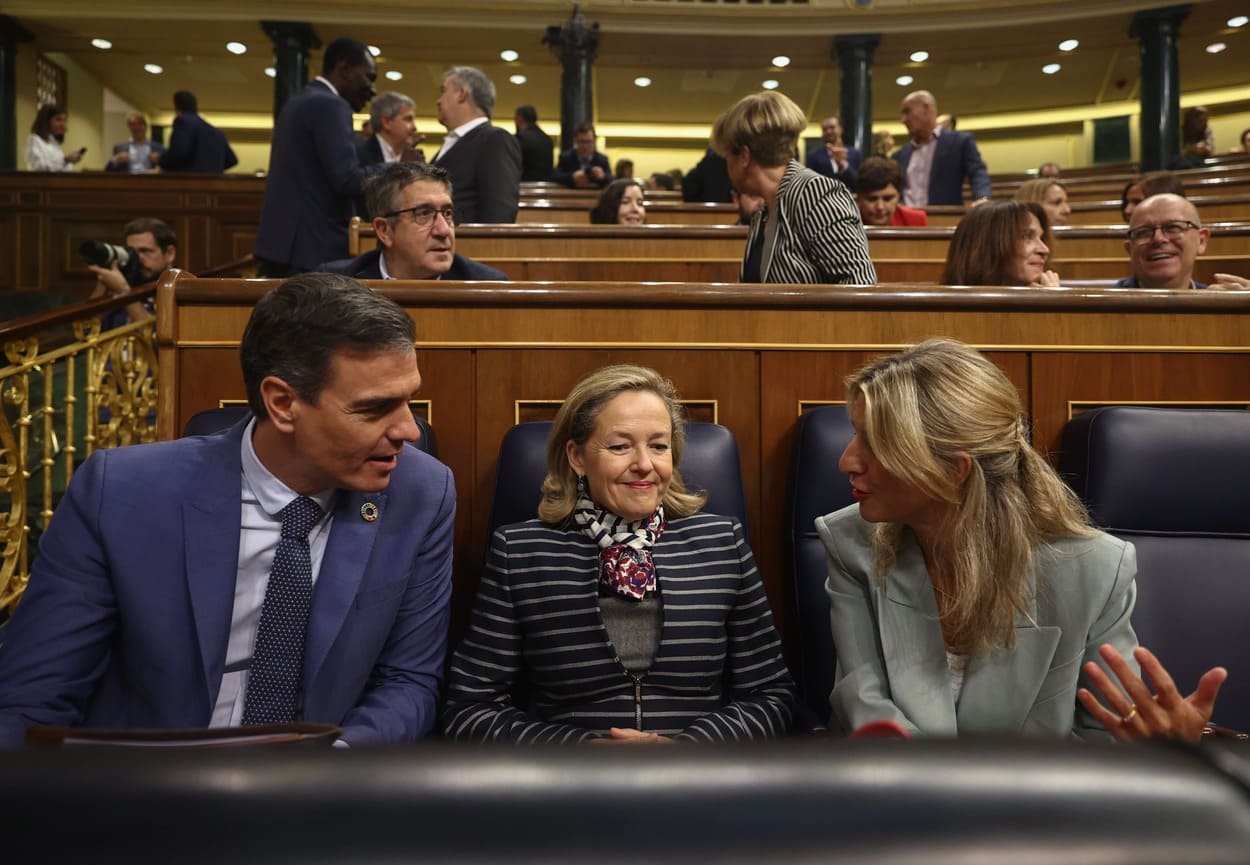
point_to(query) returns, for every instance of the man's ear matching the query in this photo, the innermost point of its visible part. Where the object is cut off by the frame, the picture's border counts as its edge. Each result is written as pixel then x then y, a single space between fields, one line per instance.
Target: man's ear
pixel 1204 235
pixel 280 400
pixel 382 228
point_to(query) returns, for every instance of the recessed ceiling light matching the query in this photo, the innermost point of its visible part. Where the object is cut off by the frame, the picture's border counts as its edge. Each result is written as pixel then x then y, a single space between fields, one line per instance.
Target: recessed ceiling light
pixel 642 81
pixel 771 84
pixel 1216 47
pixel 517 79
pixel 781 61
pixel 236 47
pixel 102 44
pixel 153 68
pixel 394 75
pixel 1051 68
pixel 1069 44
pixel 271 72
pixel 919 56
pixel 1238 21
pixel 508 55
pixel 374 50
pixel 903 80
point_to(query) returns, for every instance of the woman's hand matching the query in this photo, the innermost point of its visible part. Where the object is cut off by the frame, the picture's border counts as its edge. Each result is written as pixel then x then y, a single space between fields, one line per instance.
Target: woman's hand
pixel 1048 279
pixel 630 736
pixel 1136 713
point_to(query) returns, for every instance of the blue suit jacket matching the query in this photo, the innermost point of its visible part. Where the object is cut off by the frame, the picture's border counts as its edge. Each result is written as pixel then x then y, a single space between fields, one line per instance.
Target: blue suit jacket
pixel 818 160
pixel 197 145
pixel 365 266
pixel 314 177
pixel 127 616
pixel 570 163
pixel 956 158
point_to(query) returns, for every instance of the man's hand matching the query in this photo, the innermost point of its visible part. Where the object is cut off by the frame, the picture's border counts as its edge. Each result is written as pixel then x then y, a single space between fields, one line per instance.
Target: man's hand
pixel 979 202
pixel 154 158
pixel 596 173
pixel 109 281
pixel 121 157
pixel 837 153
pixel 1229 280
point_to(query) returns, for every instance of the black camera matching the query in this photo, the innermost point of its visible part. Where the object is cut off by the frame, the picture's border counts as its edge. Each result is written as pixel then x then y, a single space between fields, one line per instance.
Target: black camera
pixel 104 254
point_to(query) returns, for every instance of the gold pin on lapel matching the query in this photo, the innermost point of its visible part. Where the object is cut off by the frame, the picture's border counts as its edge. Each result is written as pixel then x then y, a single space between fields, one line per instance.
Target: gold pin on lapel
pixel 368 512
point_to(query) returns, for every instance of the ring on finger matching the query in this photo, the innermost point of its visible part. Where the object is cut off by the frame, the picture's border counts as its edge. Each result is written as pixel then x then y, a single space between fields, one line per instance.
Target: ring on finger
pixel 1132 713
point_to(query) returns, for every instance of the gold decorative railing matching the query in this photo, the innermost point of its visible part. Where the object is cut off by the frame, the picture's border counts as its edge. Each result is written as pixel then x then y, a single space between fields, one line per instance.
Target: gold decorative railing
pixel 67 388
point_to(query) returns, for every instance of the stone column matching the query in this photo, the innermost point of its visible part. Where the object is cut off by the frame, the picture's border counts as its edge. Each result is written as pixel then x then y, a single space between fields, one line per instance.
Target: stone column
pixel 11 33
pixel 854 56
pixel 1158 30
pixel 292 40
pixel 576 44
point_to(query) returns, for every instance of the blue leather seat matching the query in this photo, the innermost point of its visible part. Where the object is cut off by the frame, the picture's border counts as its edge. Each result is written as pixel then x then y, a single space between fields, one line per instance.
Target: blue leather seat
pixel 710 462
pixel 215 420
pixel 818 488
pixel 1176 483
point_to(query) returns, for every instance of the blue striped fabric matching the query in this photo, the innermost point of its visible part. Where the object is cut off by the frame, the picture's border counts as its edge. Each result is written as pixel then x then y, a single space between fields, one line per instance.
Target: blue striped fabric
pixel 536 628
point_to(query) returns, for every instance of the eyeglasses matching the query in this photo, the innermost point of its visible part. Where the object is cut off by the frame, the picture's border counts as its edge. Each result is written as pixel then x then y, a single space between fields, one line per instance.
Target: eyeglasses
pixel 1171 230
pixel 424 215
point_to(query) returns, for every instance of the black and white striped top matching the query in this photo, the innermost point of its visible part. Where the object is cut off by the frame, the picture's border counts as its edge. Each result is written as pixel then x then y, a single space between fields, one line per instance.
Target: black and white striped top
pixel 536 628
pixel 820 234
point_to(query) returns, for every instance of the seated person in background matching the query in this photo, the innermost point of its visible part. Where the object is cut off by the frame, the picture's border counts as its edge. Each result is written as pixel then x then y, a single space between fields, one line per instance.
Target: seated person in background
pixel 809 229
pixel 882 143
pixel 877 194
pixel 582 165
pixel 155 246
pixel 660 180
pixel 258 576
pixel 623 613
pixel 416 228
pixel 138 155
pixel 967 581
pixel 621 203
pixel 1001 243
pixel 1165 238
pixel 1245 143
pixel 1197 140
pixel 1051 195
pixel 625 169
pixel 831 157
pixel 1049 169
pixel 1154 183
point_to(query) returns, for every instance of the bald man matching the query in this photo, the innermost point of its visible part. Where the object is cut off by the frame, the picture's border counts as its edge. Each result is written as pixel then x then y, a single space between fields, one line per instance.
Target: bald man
pixel 1165 238
pixel 936 161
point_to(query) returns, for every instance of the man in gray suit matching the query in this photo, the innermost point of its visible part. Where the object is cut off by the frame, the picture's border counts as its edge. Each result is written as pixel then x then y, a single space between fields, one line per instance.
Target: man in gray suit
pixel 484 161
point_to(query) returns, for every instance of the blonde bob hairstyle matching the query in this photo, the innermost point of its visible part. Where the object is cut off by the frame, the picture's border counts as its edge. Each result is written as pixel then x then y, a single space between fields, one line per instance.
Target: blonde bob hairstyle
pixel 769 123
pixel 925 411
pixel 576 421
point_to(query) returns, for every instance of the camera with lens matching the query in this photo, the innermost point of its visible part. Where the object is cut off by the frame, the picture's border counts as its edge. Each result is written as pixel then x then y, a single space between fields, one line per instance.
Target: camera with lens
pixel 104 254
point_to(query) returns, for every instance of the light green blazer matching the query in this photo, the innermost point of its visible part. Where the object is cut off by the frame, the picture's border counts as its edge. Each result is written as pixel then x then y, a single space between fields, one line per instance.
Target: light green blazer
pixel 892 658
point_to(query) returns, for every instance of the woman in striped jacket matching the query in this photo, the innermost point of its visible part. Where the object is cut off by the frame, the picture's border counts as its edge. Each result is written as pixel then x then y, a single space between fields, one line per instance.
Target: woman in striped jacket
pixel 622 614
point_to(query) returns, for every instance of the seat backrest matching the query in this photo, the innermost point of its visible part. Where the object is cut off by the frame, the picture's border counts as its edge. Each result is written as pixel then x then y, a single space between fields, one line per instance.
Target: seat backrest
pixel 710 463
pixel 215 420
pixel 1176 483
pixel 818 488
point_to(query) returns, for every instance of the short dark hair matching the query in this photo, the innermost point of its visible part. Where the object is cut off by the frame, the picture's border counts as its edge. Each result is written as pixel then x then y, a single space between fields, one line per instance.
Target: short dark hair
pixel 585 127
pixel 296 329
pixel 986 243
pixel 528 114
pixel 877 172
pixel 186 103
pixel 607 210
pixel 343 49
pixel 384 186
pixel 43 119
pixel 159 229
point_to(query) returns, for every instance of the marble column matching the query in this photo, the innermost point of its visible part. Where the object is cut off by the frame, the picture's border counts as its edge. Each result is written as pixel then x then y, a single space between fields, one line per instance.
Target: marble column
pixel 11 34
pixel 854 56
pixel 576 44
pixel 1158 31
pixel 292 40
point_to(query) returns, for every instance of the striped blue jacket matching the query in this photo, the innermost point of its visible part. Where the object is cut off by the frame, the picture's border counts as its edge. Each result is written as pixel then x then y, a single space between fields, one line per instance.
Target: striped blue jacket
pixel 718 674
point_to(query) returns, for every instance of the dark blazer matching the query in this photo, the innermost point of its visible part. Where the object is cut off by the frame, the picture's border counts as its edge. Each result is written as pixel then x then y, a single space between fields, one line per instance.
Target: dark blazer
pixel 197 145
pixel 955 159
pixel 124 147
pixel 485 169
pixel 366 267
pixel 570 163
pixel 537 154
pixel 370 151
pixel 314 178
pixel 819 160
pixel 708 180
pixel 717 674
pixel 127 618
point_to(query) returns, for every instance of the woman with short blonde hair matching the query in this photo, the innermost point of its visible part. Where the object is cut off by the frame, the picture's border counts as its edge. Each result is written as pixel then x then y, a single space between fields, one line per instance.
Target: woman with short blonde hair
pixel 1051 194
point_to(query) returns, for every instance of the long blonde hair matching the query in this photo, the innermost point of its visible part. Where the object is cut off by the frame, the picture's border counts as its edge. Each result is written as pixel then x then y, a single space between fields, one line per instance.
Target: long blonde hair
pixel 924 410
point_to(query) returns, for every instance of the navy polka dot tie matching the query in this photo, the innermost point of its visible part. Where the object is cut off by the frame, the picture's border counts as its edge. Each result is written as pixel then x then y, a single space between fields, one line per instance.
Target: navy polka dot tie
pixel 273 686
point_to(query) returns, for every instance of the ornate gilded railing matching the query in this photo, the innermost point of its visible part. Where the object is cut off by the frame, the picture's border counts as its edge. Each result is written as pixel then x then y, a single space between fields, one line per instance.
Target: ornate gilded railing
pixel 67 388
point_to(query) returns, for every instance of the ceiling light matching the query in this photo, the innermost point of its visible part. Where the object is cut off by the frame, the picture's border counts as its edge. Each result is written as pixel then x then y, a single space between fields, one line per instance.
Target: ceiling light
pixel 903 80
pixel 236 47
pixel 153 68
pixel 1051 68
pixel 642 81
pixel 102 44
pixel 781 61
pixel 271 72
pixel 1238 21
pixel 1069 44
pixel 394 75
pixel 508 55
pixel 1216 47
pixel 771 84
pixel 374 50
pixel 919 56
pixel 517 79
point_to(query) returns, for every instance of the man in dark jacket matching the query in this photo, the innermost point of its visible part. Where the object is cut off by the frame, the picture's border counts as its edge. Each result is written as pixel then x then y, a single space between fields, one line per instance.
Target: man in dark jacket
pixel 537 148
pixel 583 166
pixel 195 144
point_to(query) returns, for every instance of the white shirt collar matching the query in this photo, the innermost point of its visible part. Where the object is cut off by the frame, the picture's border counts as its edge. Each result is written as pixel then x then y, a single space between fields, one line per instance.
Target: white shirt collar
pixel 326 82
pixel 461 130
pixel 272 494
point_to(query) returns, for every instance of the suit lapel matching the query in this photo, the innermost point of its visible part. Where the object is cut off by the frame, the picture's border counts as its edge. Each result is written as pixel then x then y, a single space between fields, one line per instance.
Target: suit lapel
pixel 1000 690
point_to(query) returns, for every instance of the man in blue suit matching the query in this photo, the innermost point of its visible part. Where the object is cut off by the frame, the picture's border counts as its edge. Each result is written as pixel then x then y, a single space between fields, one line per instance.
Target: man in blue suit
pixel 194 143
pixel 416 229
pixel 314 169
pixel 831 157
pixel 149 602
pixel 935 162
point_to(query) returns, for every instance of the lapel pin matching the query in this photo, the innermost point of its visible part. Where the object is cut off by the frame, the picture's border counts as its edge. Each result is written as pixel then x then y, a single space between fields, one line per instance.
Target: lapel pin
pixel 368 512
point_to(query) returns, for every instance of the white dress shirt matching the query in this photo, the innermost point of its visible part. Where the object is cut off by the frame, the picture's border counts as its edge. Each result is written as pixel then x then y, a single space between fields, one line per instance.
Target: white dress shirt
pixel 45 154
pixel 459 132
pixel 919 167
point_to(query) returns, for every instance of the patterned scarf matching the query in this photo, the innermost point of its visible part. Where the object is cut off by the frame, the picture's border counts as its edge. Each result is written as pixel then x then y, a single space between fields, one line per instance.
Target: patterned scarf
pixel 625 563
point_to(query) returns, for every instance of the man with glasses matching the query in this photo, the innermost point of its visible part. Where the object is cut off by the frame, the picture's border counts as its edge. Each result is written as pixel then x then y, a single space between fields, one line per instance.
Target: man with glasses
pixel 416 228
pixel 1165 238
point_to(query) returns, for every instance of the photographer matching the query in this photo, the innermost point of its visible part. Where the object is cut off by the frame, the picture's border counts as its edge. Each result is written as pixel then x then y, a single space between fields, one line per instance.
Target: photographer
pixel 153 244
